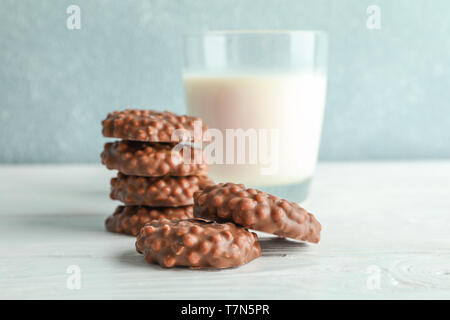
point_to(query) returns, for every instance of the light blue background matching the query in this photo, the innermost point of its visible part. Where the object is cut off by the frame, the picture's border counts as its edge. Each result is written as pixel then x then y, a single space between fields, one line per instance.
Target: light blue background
pixel 389 89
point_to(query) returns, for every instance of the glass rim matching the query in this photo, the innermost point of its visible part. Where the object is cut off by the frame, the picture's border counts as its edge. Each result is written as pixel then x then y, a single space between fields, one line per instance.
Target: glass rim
pixel 252 32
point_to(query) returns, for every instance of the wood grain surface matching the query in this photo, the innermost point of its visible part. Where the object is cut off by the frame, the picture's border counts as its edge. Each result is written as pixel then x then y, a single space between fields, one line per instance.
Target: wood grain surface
pixel 386 235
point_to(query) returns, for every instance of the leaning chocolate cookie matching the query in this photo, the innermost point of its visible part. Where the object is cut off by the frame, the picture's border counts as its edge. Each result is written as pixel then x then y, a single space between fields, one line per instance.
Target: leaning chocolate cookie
pixel 197 243
pixel 256 210
pixel 157 191
pixel 153 159
pixel 153 126
pixel 130 219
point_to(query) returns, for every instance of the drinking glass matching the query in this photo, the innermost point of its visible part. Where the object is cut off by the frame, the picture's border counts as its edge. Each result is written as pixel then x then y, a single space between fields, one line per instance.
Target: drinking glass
pixel 263 95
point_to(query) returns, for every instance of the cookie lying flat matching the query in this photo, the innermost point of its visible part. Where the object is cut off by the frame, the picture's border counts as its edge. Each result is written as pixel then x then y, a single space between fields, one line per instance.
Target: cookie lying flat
pixel 153 126
pixel 256 210
pixel 152 159
pixel 197 243
pixel 157 191
pixel 130 219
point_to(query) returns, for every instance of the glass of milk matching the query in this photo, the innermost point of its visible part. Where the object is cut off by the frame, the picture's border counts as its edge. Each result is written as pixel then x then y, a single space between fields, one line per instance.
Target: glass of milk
pixel 262 93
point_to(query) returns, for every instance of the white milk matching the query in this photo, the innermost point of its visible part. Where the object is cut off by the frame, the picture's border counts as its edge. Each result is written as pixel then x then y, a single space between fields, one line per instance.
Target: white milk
pixel 291 104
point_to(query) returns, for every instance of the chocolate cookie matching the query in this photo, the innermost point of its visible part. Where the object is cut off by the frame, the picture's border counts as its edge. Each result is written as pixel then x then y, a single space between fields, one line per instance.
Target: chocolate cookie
pixel 157 191
pixel 130 219
pixel 256 210
pixel 153 126
pixel 153 159
pixel 197 243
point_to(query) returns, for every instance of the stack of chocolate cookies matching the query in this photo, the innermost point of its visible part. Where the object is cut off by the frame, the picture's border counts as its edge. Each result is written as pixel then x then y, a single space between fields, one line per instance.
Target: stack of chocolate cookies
pixel 156 179
pixel 180 217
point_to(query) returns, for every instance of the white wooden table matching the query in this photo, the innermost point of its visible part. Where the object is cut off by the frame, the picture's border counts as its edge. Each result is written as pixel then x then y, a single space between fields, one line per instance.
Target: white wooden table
pixel 386 234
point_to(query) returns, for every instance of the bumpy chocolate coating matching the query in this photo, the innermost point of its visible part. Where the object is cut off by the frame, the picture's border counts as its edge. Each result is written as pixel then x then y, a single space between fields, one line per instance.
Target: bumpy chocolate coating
pixel 256 210
pixel 130 219
pixel 157 191
pixel 197 243
pixel 153 126
pixel 152 159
